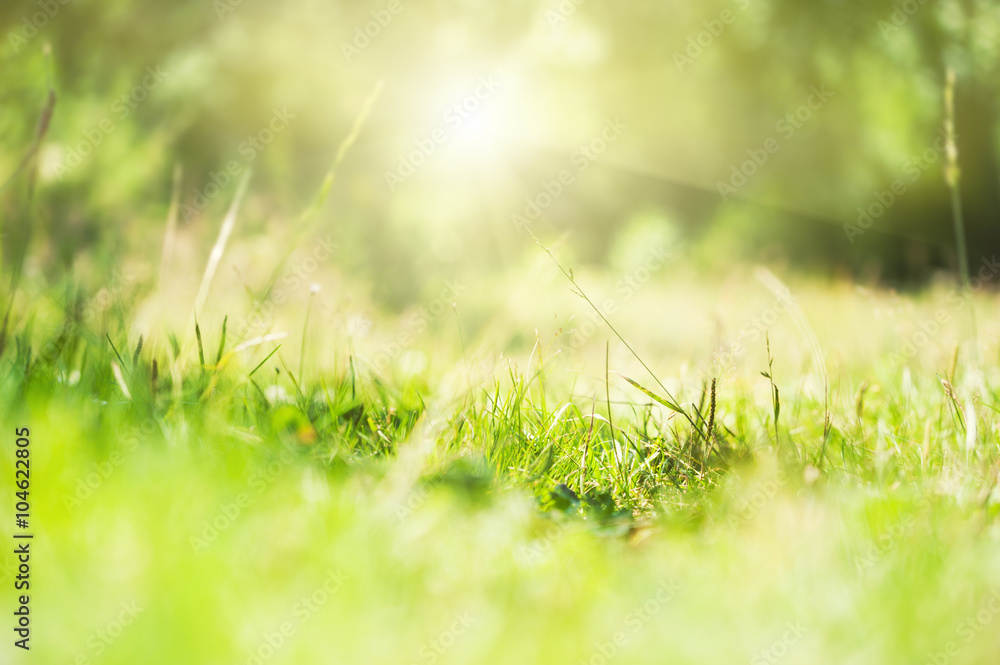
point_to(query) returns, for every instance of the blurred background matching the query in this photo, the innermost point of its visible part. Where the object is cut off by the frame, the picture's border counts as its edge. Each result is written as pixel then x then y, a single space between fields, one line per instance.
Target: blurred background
pixel 748 130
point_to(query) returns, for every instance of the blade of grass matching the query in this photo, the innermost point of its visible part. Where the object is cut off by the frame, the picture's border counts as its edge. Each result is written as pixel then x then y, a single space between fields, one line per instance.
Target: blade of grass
pixel 261 364
pixel 115 349
pixel 653 396
pixel 201 349
pixel 215 257
pixel 305 222
pixel 42 128
pixel 569 275
pixel 222 342
pixel 170 233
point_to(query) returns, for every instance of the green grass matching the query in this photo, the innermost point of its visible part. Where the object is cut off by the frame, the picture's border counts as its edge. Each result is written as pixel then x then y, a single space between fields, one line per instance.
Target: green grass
pixel 490 507
pixel 239 457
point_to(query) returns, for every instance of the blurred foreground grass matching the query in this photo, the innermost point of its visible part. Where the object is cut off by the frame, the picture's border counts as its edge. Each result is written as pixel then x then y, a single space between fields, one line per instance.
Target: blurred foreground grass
pixel 483 507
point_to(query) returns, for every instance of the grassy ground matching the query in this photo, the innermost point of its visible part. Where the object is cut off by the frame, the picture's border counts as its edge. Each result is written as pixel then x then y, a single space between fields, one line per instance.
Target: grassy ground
pixel 420 490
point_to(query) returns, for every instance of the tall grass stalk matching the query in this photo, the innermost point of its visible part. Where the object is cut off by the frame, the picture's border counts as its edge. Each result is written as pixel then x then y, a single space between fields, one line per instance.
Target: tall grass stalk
pixel 569 275
pixel 953 177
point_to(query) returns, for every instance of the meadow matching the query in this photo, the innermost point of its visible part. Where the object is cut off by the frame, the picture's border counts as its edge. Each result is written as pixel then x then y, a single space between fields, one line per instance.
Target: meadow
pixel 509 332
pixel 205 500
